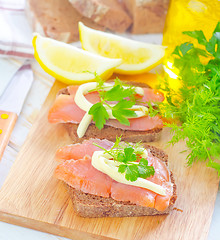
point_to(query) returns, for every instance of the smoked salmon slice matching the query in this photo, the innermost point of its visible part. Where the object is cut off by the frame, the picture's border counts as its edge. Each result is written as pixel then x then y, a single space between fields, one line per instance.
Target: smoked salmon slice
pixel 77 171
pixel 81 175
pixel 65 110
pixel 78 151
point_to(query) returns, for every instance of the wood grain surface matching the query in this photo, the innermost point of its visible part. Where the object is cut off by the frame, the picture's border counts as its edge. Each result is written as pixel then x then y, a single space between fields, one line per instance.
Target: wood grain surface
pixel 32 197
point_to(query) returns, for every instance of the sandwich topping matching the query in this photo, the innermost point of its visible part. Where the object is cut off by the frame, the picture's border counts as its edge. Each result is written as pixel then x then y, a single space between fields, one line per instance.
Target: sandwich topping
pixel 111 104
pixel 103 162
pixel 121 163
pixel 126 163
pixel 117 101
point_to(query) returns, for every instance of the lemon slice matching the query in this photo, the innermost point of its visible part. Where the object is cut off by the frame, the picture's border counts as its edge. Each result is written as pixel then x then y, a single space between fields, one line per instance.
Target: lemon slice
pixel 137 57
pixel 70 64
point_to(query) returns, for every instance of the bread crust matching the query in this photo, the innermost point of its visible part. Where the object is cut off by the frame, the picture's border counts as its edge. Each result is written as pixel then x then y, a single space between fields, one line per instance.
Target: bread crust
pixel 150 12
pixel 56 19
pixel 89 205
pixel 108 13
pixel 110 133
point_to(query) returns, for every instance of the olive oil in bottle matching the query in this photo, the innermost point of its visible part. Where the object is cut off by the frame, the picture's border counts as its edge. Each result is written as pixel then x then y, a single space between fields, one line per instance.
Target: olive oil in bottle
pixel 189 15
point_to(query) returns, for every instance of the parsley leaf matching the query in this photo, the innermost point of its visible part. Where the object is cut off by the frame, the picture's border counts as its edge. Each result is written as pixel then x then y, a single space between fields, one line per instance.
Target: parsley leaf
pixel 129 155
pixel 132 172
pixel 122 168
pixel 121 112
pixel 118 93
pixel 145 171
pixel 100 114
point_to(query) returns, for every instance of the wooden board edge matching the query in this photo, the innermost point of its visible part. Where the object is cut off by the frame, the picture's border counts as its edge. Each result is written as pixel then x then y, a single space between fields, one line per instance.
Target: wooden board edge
pixel 49 228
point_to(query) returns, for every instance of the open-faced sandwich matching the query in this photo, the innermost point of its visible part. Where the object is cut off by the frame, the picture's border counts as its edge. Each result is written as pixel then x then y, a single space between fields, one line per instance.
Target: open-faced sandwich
pixel 107 179
pixel 105 110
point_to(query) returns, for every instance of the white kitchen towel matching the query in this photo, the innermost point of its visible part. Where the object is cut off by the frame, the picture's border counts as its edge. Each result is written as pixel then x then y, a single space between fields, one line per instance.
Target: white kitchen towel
pixel 15 32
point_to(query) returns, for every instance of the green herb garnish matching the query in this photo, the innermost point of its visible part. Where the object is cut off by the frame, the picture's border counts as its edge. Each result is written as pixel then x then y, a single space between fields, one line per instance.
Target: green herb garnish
pixel 100 114
pixel 197 102
pixel 121 93
pixel 130 157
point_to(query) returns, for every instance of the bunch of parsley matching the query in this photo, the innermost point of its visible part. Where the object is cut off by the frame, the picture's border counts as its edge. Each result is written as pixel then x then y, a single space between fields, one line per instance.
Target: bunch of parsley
pixel 197 102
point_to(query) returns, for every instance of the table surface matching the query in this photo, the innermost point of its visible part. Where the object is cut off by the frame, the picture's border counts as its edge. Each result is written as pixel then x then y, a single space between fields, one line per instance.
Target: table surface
pixel 34 101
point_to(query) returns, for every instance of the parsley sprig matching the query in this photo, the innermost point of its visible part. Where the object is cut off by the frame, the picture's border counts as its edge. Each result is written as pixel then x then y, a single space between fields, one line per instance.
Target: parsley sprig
pixel 130 158
pixel 197 102
pixel 121 93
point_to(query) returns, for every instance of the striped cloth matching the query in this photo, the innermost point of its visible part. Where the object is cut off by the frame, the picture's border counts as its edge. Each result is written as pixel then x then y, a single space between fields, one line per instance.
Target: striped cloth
pixel 15 32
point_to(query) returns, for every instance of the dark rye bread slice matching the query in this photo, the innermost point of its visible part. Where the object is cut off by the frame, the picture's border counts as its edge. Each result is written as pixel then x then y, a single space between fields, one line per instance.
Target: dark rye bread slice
pixel 88 205
pixel 110 133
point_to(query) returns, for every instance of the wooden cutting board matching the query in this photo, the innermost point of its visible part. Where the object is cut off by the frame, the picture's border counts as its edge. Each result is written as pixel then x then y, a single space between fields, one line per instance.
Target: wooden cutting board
pixel 32 197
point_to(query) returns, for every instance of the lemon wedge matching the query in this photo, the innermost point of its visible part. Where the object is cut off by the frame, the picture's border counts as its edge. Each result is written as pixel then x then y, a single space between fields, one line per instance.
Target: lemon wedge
pixel 70 64
pixel 137 57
